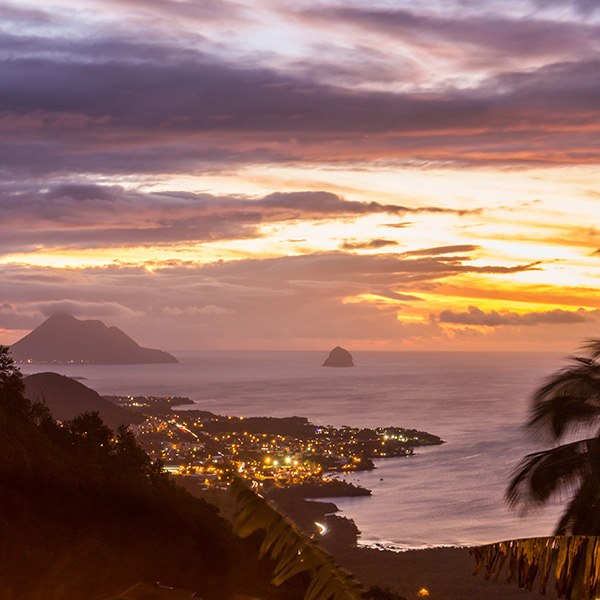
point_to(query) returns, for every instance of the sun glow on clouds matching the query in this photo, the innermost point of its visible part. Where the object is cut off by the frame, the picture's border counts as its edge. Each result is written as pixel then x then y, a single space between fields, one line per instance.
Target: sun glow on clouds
pixel 301 174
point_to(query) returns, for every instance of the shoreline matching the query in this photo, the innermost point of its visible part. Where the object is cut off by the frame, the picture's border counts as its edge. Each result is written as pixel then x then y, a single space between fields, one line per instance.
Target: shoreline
pixel 446 573
pixel 398 548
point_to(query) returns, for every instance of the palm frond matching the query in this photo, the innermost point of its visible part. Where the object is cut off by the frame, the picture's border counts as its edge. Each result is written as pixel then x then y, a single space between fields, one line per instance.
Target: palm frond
pixel 292 551
pixel 568 399
pixel 592 347
pixel 574 560
pixel 541 475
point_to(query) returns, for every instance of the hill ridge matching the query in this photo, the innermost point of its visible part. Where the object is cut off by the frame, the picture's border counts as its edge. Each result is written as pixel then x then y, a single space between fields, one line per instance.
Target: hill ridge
pixel 64 339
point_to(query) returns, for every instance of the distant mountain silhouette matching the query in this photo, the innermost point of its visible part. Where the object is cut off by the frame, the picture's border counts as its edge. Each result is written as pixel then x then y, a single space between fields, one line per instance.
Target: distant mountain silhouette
pixel 339 357
pixel 63 338
pixel 67 398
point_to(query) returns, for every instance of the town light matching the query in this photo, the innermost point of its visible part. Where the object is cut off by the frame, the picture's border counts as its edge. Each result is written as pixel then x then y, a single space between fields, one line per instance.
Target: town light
pixel 322 528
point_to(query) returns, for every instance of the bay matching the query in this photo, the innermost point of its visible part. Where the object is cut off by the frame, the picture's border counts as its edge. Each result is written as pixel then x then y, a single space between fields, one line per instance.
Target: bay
pixel 444 495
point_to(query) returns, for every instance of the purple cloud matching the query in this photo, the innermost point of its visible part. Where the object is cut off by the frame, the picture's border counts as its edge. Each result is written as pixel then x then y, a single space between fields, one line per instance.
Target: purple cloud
pixel 367 245
pixel 119 106
pixel 82 215
pixel 475 316
pixel 439 250
pixel 495 35
pixel 289 297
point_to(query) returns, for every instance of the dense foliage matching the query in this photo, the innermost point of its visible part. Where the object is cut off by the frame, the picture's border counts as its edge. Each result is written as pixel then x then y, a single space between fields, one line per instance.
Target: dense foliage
pixel 85 512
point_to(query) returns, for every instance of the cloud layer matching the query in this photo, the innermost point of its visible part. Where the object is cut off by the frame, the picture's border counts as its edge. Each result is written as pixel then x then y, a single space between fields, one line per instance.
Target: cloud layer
pixel 117 102
pixel 79 216
pixel 296 301
pixel 274 174
pixel 476 316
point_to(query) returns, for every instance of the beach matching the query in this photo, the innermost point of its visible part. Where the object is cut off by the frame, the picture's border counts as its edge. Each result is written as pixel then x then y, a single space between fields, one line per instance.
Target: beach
pixel 447 573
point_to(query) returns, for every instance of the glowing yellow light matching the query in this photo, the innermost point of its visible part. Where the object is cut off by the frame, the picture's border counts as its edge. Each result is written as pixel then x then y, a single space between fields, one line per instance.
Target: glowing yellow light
pixel 423 593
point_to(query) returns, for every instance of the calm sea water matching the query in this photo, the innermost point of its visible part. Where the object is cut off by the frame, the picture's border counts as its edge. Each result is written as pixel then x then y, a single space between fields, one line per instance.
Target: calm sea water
pixel 445 495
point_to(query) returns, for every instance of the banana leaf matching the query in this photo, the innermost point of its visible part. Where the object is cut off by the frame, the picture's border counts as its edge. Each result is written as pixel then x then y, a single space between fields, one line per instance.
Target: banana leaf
pixel 573 560
pixel 292 551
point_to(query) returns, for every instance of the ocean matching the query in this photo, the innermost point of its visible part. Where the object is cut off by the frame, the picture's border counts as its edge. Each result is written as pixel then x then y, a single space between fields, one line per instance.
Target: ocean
pixel 447 495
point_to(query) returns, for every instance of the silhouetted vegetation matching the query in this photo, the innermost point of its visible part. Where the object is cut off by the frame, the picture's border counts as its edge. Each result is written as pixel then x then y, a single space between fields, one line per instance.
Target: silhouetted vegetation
pixel 83 511
pixel 379 593
pixel 566 404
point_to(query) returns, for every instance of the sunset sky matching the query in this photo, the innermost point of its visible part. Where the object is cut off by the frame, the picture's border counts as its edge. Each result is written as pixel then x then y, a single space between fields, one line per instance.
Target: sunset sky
pixel 297 174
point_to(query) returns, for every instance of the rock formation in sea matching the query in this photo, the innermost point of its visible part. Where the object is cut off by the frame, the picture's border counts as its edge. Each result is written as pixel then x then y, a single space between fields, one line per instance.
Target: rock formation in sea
pixel 64 339
pixel 339 357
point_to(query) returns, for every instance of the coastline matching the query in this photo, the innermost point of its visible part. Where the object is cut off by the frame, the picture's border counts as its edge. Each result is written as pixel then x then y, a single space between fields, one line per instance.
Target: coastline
pixel 446 572
pixel 391 547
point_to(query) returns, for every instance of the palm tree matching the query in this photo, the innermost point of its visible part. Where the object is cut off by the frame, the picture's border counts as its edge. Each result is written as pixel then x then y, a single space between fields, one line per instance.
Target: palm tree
pixel 567 404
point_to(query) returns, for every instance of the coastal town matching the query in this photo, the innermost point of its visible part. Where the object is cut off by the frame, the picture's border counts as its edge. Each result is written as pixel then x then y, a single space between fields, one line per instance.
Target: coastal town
pixel 271 452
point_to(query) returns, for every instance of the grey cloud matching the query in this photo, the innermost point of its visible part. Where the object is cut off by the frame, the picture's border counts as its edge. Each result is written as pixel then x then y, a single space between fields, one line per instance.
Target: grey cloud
pixel 203 9
pixel 10 319
pixel 368 245
pixel 492 32
pixel 439 250
pixel 388 293
pixel 201 93
pixel 584 7
pixel 375 268
pixel 82 215
pixel 218 227
pixel 252 300
pixel 30 314
pixel 20 15
pixel 330 205
pixel 198 310
pixel 249 277
pixel 82 309
pixel 82 192
pixel 285 298
pixel 396 225
pixel 347 66
pixel 114 106
pixel 475 316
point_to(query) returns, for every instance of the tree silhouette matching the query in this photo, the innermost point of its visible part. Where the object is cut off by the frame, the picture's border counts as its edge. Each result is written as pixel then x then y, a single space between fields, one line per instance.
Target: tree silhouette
pixel 84 513
pixel 567 404
pixel 12 389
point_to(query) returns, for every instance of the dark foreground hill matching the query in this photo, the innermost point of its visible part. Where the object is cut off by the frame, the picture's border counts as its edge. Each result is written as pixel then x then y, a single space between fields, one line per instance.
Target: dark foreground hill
pixel 65 339
pixel 67 398
pixel 85 513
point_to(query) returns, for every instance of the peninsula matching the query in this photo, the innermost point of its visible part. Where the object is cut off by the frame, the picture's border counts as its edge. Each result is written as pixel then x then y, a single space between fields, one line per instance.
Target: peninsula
pixel 67 398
